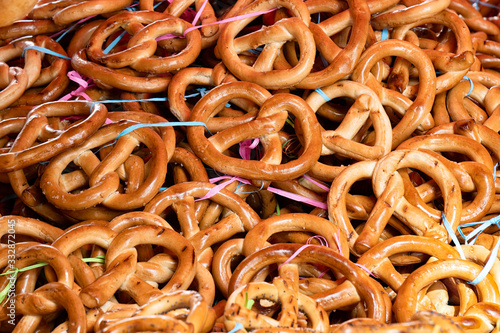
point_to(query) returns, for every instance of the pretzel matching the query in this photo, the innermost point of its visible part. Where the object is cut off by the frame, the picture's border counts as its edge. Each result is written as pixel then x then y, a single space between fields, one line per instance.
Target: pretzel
pixel 209 31
pixel 102 178
pixel 381 258
pixel 283 294
pixel 405 304
pixel 36 229
pixel 15 11
pixel 474 20
pixel 142 45
pixel 24 28
pixel 473 176
pixel 224 257
pixel 14 83
pixel 268 168
pixel 340 61
pixel 180 197
pixel 24 153
pixel 80 10
pixel 53 77
pixel 125 80
pixel 368 290
pixel 125 273
pixel 262 71
pixel 258 236
pixel 422 104
pixel 340 141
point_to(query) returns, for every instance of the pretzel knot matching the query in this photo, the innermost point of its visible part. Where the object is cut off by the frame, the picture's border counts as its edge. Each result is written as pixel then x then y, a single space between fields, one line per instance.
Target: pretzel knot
pixel 270 119
pixel 293 309
pixel 138 279
pixel 356 287
pixel 142 46
pixel 26 151
pixel 273 38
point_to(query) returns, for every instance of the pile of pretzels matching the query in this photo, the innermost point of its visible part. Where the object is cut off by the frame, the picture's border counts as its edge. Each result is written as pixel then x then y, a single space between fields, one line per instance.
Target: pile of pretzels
pixel 250 166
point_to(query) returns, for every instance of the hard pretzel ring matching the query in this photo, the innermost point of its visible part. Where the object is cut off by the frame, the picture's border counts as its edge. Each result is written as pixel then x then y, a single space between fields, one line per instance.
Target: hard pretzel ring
pixel 422 104
pixel 376 300
pixel 81 10
pixel 271 116
pixel 24 152
pixel 339 141
pixel 340 61
pixel 123 271
pixel 102 177
pixel 281 293
pixel 142 45
pixel 262 72
pixel 406 301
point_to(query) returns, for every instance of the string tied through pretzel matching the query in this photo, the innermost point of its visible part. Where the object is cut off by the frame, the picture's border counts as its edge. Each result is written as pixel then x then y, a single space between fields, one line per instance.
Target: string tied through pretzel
pixel 483 226
pixel 44 50
pixel 83 85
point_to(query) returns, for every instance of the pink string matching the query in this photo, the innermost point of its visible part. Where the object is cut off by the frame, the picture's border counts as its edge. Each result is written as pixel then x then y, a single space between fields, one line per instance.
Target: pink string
pixel 279 192
pixel 213 191
pixel 317 183
pixel 231 19
pixel 336 236
pixel 107 121
pixel 71 27
pixel 198 14
pixel 246 148
pixel 80 91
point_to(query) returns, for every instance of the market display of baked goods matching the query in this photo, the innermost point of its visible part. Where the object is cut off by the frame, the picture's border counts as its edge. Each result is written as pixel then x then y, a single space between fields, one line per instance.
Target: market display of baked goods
pixel 249 166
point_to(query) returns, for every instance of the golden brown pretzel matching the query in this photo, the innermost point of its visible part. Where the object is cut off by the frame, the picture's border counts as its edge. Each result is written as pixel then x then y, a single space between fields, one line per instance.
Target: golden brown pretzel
pixel 341 61
pixel 475 175
pixel 262 71
pixel 422 105
pixel 368 290
pixel 379 259
pixel 125 80
pixel 406 301
pixel 366 108
pixel 25 152
pixel 33 228
pixel 272 116
pixel 79 10
pixel 296 309
pixel 24 28
pixel 102 176
pixel 125 273
pixel 14 83
pixel 142 45
pixel 257 237
pixel 454 64
pixel 52 78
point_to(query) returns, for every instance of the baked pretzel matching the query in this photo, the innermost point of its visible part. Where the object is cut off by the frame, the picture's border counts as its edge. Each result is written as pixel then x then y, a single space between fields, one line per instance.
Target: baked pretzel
pixel 366 108
pixel 339 61
pixel 257 238
pixel 65 12
pixel 474 19
pixel 103 179
pixel 48 82
pixel 25 151
pixel 383 257
pixel 14 83
pixel 297 310
pixel 142 45
pixel 125 273
pixel 263 71
pixel 405 304
pixel 125 80
pixel 422 105
pixel 24 28
pixel 357 285
pixel 209 31
pixel 38 230
pixel 271 116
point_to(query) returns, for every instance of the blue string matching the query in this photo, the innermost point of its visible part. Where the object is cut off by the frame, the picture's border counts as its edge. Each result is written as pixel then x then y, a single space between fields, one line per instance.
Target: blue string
pixel 113 43
pixel 66 32
pixel 322 93
pixel 44 50
pixel 453 236
pixel 489 264
pixel 471 85
pixel 385 34
pixel 477 3
pixel 236 328
pixel 181 123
